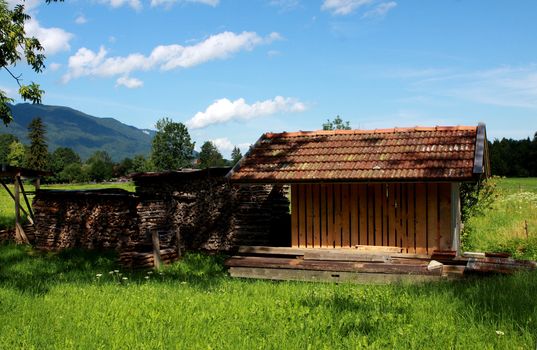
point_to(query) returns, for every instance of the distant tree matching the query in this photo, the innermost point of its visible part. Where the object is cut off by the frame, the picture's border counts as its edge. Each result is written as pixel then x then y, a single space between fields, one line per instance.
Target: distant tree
pixel 210 156
pixel 38 152
pixel 172 147
pixel 17 154
pixel 5 141
pixel 141 165
pixel 123 168
pixel 336 124
pixel 62 157
pixel 236 155
pixel 100 166
pixel 74 172
pixel 514 158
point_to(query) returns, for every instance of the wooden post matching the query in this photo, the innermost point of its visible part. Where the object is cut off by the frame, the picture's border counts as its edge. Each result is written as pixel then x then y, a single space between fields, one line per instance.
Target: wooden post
pixel 456 217
pixel 156 249
pixel 178 238
pixel 31 216
pixel 19 232
pixel 526 228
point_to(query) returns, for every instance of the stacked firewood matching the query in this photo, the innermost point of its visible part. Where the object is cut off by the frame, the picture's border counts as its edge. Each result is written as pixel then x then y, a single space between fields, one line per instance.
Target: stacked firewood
pixel 139 260
pixel 84 220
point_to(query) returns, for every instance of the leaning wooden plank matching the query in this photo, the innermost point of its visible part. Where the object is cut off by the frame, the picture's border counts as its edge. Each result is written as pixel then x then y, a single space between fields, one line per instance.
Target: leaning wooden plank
pixel 294 216
pixel 328 276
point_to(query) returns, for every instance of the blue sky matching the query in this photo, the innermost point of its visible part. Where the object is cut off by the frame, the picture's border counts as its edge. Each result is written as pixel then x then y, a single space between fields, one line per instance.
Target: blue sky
pixel 233 69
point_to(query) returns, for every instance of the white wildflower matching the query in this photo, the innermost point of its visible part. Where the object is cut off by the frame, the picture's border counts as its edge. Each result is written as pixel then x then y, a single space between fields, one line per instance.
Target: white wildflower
pixel 124 278
pixel 99 274
pixel 116 271
pixel 500 333
pixel 146 277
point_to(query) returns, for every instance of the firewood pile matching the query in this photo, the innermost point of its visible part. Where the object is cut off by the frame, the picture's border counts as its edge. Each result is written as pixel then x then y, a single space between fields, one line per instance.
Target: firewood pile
pixel 140 260
pixel 84 219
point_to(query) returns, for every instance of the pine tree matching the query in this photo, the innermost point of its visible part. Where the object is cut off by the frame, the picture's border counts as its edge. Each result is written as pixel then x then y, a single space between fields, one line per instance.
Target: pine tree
pixel 210 156
pixel 236 155
pixel 37 157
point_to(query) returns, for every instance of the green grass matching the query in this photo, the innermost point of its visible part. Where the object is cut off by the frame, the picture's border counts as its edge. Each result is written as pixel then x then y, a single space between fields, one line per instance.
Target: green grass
pixel 50 301
pixel 7 207
pixel 502 226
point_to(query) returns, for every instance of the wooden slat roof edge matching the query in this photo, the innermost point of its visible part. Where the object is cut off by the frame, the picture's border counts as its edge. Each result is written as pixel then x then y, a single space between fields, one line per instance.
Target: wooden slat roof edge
pixel 271 135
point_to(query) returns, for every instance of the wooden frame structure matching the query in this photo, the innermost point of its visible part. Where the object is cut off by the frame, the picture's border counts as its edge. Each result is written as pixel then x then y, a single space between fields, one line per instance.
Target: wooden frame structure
pixel 17 174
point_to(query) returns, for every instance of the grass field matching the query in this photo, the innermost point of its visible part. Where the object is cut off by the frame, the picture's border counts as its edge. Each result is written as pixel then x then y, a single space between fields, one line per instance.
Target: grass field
pixel 81 300
pixel 502 227
pixel 50 301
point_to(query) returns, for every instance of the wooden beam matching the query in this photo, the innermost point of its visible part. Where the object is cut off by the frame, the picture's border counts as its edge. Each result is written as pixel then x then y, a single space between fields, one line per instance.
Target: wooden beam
pixel 12 196
pixel 19 232
pixel 31 217
pixel 455 217
pixel 156 249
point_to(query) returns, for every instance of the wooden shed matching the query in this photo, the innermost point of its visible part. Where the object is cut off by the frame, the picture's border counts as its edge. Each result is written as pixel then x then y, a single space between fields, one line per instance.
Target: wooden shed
pixel 386 187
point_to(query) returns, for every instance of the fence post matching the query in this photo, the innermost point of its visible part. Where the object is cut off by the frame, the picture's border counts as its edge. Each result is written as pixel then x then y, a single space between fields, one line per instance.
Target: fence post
pixel 156 249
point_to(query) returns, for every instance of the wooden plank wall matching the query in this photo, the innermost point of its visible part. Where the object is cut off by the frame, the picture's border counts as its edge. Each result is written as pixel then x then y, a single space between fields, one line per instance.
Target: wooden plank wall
pixel 415 217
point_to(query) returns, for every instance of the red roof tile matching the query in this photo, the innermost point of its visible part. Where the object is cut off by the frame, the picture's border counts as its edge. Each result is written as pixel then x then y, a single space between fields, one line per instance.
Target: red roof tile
pixel 439 153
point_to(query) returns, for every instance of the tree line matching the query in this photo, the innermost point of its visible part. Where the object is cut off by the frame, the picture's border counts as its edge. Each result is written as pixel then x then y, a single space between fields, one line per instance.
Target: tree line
pixel 172 149
pixel 514 158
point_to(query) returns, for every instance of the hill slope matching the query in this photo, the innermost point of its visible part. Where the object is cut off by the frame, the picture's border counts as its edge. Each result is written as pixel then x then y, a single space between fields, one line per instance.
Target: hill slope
pixel 67 127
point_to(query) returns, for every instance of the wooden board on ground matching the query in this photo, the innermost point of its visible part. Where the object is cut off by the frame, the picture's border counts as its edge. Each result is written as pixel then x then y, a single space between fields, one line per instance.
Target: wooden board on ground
pixel 328 276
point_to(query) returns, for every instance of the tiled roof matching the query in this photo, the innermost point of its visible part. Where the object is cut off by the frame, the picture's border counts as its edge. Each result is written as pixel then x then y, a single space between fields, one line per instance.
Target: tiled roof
pixel 420 153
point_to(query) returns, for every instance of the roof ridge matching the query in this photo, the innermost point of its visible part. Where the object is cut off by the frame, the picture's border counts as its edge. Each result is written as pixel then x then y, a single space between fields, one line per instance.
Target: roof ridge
pixel 370 131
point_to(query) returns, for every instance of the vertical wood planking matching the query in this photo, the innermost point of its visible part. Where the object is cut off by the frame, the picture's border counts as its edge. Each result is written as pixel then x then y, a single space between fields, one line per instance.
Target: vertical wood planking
pixel 362 206
pixel 330 215
pixel 324 221
pixel 411 219
pixel 384 201
pixel 378 214
pixel 316 216
pixel 404 217
pixel 421 218
pixel 433 236
pixel 337 215
pixel 444 195
pixel 301 216
pixel 370 214
pixel 391 215
pixel 294 216
pixel 345 216
pixel 355 223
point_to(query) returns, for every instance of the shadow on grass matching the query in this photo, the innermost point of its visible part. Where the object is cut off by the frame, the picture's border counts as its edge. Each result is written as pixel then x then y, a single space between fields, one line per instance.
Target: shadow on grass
pixel 34 272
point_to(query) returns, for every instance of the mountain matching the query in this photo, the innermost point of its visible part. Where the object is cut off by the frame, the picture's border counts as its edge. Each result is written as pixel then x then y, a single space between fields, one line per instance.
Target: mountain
pixel 67 127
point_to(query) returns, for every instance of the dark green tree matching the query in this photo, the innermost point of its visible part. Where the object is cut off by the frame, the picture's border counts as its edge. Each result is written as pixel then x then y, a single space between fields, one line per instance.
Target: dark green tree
pixel 74 172
pixel 141 165
pixel 100 166
pixel 236 155
pixel 59 160
pixel 5 141
pixel 210 156
pixel 172 147
pixel 336 124
pixel 38 152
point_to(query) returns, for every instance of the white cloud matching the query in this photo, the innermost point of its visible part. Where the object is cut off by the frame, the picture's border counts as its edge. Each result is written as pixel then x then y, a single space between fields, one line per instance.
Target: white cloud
pixel 131 83
pixel 223 144
pixel 81 20
pixel 343 7
pixel 168 3
pixel 135 4
pixel 224 110
pixel 86 62
pixel 380 10
pixel 52 39
pixel 55 66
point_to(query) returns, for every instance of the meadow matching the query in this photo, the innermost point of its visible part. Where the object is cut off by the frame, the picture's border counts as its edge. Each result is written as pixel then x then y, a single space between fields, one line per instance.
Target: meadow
pixel 83 300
